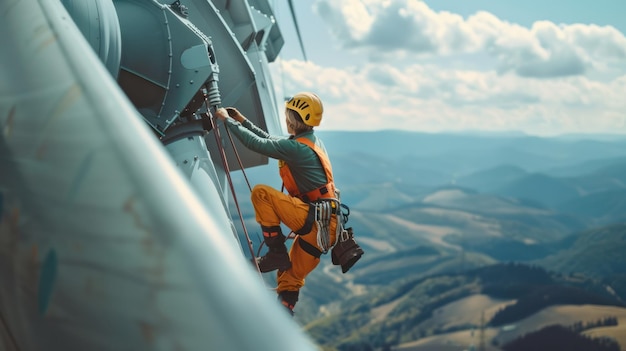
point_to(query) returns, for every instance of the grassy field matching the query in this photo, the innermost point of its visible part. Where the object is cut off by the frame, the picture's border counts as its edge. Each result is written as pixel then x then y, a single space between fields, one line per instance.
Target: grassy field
pixel 468 311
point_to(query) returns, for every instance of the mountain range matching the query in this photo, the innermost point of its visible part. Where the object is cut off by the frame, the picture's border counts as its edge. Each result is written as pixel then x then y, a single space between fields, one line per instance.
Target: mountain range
pixel 435 209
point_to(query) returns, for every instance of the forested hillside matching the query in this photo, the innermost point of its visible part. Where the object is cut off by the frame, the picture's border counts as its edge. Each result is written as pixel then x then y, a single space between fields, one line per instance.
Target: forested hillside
pixel 447 218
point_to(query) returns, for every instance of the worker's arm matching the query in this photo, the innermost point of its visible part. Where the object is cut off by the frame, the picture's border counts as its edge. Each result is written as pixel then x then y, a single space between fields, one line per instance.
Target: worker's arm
pixel 239 117
pixel 275 147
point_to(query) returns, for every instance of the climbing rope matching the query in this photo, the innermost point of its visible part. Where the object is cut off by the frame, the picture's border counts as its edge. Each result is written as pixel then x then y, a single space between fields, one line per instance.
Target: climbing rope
pixel 232 143
pixel 230 180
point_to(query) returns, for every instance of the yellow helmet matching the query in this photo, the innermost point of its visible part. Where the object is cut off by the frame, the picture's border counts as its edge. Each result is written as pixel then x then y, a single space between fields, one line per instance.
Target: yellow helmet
pixel 308 106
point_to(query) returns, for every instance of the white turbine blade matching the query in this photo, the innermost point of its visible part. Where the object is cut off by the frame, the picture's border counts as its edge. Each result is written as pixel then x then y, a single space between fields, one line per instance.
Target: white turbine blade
pixel 103 243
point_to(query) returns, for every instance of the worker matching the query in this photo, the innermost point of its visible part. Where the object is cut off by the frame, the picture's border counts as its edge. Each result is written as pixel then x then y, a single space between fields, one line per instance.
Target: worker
pixel 307 176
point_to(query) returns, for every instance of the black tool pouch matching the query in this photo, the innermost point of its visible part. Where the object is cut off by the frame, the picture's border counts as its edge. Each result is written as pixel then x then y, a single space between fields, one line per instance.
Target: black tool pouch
pixel 346 251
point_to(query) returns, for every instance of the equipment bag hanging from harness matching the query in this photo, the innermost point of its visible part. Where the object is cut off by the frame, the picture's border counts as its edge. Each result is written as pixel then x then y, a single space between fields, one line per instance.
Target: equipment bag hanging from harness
pixel 324 204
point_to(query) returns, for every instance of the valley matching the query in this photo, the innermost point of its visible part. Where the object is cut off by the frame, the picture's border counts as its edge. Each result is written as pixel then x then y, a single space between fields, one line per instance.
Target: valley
pixel 434 213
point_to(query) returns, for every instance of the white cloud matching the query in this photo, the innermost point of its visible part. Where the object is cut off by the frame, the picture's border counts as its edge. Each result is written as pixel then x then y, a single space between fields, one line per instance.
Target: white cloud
pixel 350 18
pixel 401 27
pixel 438 71
pixel 429 98
pixel 597 42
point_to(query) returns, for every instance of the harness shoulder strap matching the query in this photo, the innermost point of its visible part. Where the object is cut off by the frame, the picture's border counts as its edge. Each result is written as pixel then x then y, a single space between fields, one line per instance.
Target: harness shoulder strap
pixel 321 155
pixel 327 190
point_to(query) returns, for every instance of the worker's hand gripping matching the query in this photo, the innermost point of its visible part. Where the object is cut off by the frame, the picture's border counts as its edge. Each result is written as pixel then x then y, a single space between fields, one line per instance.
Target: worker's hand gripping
pixel 222 113
pixel 234 113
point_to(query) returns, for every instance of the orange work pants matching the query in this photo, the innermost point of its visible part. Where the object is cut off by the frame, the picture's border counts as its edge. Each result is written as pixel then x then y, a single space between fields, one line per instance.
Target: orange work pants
pixel 273 207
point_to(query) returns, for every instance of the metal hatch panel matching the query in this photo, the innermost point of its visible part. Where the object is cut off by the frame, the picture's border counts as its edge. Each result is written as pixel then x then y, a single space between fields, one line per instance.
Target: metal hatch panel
pixel 244 75
pixel 165 60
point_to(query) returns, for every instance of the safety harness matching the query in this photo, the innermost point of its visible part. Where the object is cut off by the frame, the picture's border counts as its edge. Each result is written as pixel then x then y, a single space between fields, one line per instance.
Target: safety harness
pixel 323 203
pixel 326 191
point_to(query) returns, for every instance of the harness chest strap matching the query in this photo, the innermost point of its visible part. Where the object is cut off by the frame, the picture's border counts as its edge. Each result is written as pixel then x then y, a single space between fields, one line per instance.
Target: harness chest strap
pixel 323 192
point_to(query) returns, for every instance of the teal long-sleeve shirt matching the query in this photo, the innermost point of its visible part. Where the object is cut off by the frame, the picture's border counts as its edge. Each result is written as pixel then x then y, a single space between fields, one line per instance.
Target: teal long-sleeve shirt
pixel 304 164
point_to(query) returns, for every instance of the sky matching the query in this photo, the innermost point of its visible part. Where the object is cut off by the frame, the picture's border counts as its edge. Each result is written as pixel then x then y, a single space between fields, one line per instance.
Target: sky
pixel 539 67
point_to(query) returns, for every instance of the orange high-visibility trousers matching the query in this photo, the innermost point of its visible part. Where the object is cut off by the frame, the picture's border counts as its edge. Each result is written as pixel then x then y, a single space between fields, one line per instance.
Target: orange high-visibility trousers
pixel 273 207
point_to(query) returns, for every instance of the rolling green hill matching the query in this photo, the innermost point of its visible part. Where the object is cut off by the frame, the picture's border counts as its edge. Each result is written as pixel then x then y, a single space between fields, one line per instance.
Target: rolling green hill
pixel 541 188
pixel 490 179
pixel 585 167
pixel 462 154
pixel 600 208
pixel 400 312
pixel 430 208
pixel 597 253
